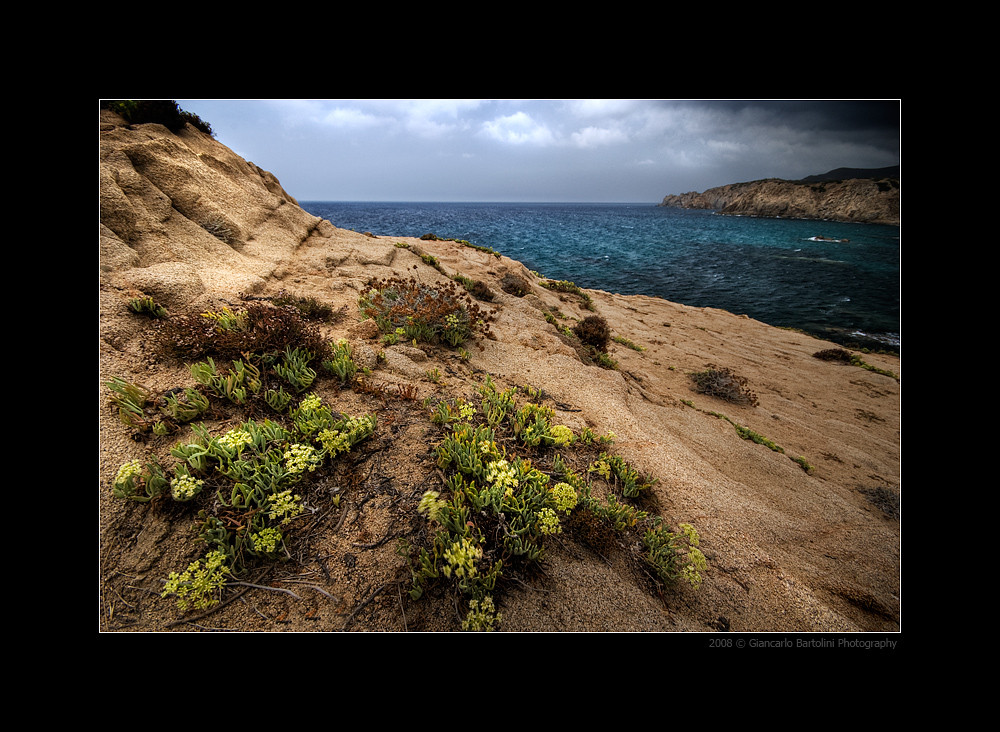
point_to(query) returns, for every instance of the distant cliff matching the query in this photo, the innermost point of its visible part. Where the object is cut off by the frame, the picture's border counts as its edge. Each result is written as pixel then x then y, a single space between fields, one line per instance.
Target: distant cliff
pixel 870 200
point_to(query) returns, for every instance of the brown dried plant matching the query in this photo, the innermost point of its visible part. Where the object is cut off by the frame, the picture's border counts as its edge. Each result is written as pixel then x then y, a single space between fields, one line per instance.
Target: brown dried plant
pixel 263 328
pixel 725 384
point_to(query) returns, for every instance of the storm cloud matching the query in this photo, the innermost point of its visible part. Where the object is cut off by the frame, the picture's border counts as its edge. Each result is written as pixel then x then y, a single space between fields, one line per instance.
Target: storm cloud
pixel 596 150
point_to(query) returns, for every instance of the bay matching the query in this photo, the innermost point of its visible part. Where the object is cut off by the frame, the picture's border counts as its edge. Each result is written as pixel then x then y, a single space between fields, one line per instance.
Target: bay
pixel 835 280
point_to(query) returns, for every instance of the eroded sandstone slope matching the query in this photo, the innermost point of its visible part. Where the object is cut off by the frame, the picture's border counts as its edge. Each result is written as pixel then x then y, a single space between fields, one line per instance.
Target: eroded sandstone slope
pixel 189 223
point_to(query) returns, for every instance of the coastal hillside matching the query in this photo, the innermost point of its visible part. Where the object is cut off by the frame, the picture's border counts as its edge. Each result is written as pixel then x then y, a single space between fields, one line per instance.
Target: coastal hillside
pixel 851 195
pixel 304 428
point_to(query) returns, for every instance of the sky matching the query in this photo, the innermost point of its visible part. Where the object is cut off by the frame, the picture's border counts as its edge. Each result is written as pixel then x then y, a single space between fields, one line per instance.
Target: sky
pixel 538 150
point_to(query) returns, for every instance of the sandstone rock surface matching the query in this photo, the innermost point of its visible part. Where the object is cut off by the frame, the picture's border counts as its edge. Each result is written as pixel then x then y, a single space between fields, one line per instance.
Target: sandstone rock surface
pixel 189 223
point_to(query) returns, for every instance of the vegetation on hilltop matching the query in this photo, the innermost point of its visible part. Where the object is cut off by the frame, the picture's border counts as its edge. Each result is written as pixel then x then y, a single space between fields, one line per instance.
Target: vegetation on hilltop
pixel 160 111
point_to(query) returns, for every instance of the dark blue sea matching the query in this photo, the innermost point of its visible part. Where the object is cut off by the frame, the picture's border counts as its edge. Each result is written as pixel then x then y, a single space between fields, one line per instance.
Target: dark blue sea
pixel 774 270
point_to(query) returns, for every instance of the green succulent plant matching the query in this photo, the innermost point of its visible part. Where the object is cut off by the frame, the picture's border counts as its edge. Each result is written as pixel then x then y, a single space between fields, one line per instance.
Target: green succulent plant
pixel 147 306
pixel 341 361
pixel 294 368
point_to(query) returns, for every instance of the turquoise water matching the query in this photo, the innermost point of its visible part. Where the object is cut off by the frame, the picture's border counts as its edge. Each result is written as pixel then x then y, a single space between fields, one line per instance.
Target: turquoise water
pixel 773 270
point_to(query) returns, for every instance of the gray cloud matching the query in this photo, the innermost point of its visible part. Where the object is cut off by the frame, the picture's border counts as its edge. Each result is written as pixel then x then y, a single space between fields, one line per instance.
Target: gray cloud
pixel 546 150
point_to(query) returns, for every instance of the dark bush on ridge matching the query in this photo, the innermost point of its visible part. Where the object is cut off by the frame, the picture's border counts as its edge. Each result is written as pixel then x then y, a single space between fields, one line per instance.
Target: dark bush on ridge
pixel 514 285
pixel 594 331
pixel 834 354
pixel 161 111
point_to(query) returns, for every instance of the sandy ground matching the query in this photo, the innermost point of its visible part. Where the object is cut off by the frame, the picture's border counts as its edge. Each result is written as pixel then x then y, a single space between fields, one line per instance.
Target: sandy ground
pixel 787 550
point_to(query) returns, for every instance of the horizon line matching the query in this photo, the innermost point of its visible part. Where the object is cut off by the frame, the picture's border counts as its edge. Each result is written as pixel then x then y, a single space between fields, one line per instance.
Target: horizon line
pixel 414 200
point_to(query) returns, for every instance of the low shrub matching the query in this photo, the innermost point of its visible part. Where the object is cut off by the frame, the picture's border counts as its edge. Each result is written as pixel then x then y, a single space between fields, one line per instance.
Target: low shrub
pixel 724 384
pixel 477 288
pixel 841 356
pixel 258 328
pixel 833 354
pixel 423 313
pixel 594 331
pixel 219 227
pixel 514 285
pixel 310 307
pixel 571 288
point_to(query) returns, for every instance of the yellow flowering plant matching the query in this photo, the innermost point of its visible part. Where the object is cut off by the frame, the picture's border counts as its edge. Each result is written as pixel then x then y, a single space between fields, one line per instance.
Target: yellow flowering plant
pixel 198 586
pixel 267 541
pixel 675 555
pixel 482 616
pixel 140 482
pixel 184 487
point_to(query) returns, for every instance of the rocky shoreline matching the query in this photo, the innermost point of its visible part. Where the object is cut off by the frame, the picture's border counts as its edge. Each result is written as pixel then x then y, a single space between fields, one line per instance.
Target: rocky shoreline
pixel 857 200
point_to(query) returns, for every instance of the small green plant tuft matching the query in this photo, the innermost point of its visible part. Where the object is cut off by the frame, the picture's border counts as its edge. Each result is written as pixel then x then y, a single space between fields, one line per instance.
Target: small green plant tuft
pixel 130 400
pixel 748 434
pixel 618 472
pixel 628 344
pixel 841 356
pixel 237 385
pixel 294 368
pixel 185 405
pixel 604 360
pixel 568 287
pixel 227 320
pixel 804 464
pixel 199 585
pixel 341 362
pixel 482 616
pixel 675 556
pixel 140 482
pixel 147 306
pixel 478 247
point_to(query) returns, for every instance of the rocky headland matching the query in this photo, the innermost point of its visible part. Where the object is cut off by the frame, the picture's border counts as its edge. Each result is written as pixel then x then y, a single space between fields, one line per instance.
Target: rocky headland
pixel 870 197
pixel 794 490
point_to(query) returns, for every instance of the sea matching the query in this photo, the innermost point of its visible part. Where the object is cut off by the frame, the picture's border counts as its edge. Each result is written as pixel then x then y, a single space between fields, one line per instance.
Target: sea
pixel 837 281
